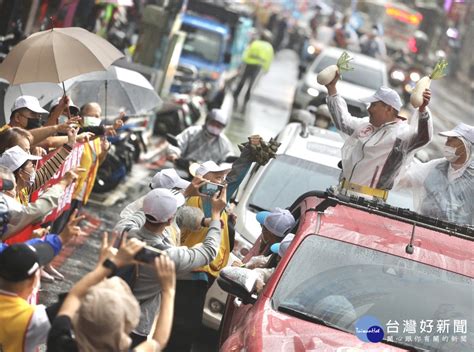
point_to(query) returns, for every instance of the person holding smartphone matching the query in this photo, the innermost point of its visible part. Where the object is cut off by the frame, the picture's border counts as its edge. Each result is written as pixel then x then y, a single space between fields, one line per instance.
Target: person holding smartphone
pixel 158 211
pixel 191 290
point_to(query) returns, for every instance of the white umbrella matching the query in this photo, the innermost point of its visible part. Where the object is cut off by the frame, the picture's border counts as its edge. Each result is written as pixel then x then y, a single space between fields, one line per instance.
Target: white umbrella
pixel 117 89
pixel 45 92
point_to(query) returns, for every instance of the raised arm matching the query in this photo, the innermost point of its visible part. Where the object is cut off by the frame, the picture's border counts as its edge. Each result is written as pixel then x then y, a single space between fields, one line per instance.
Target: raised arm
pixel 166 272
pixel 187 259
pixel 423 133
pixel 343 120
pixel 123 257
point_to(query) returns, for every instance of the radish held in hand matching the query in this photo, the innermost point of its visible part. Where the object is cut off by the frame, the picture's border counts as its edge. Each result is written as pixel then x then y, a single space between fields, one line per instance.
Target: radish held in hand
pixel 327 75
pixel 416 98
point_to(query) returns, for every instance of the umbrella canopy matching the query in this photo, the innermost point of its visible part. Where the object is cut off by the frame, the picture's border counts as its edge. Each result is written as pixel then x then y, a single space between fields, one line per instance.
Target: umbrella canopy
pixel 117 89
pixel 45 92
pixel 56 55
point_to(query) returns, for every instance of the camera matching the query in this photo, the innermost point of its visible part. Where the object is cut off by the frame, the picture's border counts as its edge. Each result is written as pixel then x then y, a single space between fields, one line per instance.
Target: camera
pixel 148 254
pixel 210 189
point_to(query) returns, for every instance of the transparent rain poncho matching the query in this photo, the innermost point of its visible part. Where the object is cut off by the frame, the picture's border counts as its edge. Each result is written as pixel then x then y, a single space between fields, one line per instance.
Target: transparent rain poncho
pixel 440 191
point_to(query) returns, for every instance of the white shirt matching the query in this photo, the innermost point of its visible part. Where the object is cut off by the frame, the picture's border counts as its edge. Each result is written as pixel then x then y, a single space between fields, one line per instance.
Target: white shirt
pixel 373 156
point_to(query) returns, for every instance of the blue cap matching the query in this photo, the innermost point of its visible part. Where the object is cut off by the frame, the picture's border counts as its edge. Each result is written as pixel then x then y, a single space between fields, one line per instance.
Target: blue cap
pixel 261 216
pixel 275 248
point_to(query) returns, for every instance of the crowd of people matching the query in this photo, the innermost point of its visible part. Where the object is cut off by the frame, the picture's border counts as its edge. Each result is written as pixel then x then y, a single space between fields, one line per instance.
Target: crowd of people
pixel 47 171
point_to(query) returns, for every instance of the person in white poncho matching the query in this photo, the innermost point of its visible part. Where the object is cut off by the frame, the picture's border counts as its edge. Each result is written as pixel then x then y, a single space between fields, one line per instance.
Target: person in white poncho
pixel 444 188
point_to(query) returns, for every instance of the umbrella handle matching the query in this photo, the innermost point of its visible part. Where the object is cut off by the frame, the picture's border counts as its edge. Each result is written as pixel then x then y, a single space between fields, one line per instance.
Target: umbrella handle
pixel 68 112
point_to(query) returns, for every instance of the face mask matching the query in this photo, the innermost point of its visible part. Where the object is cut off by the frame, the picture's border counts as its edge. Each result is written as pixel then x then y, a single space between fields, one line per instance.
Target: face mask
pixel 450 153
pixel 92 121
pixel 33 123
pixel 62 119
pixel 215 131
pixel 31 177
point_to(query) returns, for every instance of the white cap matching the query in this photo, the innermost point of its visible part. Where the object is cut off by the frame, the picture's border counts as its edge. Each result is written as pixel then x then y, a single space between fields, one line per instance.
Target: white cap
pixel 168 178
pixel 160 205
pixel 14 157
pixel 210 166
pixel 219 116
pixel 387 95
pixel 461 130
pixel 285 243
pixel 278 222
pixel 29 102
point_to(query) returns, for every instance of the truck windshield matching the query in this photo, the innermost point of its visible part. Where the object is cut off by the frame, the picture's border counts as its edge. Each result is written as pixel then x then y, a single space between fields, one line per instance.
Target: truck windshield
pixel 338 283
pixel 361 75
pixel 287 178
pixel 202 44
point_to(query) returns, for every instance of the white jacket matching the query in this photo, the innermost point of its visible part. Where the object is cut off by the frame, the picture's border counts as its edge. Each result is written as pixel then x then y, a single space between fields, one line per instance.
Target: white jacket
pixel 373 156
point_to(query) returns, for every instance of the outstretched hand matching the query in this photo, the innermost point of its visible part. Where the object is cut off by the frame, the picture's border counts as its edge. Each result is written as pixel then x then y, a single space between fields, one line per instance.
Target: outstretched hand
pixel 166 272
pixel 72 229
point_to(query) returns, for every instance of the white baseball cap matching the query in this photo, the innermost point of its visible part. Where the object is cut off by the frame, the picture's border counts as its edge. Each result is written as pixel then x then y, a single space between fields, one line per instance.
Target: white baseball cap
pixel 29 102
pixel 15 157
pixel 160 205
pixel 278 222
pixel 219 116
pixel 168 178
pixel 210 166
pixel 282 247
pixel 462 130
pixel 387 95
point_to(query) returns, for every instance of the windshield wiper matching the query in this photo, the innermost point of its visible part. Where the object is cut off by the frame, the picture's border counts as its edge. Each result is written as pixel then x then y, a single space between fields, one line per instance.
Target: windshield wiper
pixel 404 345
pixel 310 318
pixel 256 207
pixel 317 320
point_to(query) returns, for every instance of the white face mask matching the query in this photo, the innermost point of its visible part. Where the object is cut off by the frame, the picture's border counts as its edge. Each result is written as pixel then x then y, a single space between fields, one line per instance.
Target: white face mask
pixel 92 121
pixel 215 131
pixel 31 177
pixel 450 153
pixel 62 119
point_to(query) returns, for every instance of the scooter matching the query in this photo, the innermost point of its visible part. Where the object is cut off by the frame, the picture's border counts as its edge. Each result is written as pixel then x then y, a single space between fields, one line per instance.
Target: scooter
pixel 185 167
pixel 125 150
pixel 178 113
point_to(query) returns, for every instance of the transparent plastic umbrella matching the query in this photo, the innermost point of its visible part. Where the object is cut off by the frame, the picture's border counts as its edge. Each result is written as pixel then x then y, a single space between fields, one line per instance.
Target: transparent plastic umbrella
pixel 44 91
pixel 117 89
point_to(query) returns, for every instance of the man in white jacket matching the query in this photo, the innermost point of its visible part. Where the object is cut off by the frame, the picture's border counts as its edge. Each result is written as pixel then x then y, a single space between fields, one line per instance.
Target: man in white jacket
pixel 378 145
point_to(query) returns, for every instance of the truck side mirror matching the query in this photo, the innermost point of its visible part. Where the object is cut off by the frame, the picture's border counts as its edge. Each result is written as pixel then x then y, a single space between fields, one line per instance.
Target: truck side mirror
pixel 227 58
pixel 239 282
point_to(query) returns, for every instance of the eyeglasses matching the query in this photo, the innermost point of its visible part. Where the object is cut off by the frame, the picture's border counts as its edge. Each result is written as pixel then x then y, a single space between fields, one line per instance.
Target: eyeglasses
pixel 34 115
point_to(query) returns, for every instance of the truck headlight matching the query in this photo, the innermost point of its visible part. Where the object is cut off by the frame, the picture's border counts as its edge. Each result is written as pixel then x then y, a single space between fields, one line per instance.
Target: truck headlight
pixel 313 92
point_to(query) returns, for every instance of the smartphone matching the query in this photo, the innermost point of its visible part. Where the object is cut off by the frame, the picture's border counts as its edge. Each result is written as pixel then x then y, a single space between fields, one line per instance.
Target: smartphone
pixel 148 254
pixel 210 188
